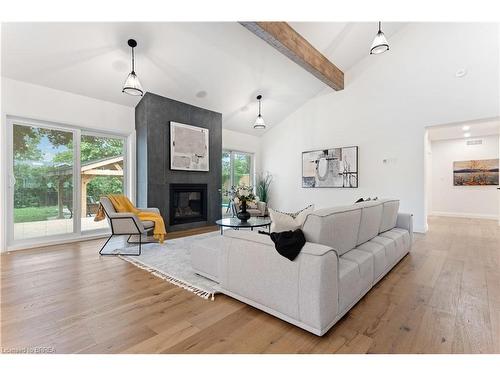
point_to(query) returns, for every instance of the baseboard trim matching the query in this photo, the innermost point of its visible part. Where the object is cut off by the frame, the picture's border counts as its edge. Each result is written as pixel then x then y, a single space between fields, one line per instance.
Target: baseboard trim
pixel 464 215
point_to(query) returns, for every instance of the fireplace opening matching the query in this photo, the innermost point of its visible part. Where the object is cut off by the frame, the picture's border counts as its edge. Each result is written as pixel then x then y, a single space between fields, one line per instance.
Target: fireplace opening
pixel 188 203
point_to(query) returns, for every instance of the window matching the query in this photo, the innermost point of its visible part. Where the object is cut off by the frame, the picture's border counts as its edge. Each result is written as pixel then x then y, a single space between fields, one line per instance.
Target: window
pixel 58 175
pixel 237 169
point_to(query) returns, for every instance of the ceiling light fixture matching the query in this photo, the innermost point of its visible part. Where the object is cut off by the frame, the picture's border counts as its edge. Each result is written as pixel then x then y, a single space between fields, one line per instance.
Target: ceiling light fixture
pixel 379 44
pixel 461 73
pixel 466 135
pixel 259 121
pixel 132 86
pixel 465 128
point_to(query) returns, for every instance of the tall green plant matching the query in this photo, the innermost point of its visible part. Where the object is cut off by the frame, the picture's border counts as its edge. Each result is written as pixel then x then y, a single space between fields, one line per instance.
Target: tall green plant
pixel 263 186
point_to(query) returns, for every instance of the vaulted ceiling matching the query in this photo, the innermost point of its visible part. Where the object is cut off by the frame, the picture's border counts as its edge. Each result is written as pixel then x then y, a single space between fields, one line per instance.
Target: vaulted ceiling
pixel 219 66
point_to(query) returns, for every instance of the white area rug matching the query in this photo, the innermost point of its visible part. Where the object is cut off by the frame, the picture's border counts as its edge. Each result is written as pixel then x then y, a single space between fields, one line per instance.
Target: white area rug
pixel 171 261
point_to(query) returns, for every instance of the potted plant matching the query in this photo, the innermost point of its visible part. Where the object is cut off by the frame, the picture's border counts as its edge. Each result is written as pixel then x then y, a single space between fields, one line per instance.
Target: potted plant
pixel 263 185
pixel 244 194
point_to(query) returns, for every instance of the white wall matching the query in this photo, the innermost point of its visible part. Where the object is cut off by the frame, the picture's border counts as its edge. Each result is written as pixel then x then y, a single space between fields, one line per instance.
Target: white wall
pixel 461 201
pixel 387 102
pixel 41 103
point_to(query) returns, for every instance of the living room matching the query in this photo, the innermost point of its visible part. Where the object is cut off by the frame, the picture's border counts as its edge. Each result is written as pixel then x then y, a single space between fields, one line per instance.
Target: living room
pixel 211 185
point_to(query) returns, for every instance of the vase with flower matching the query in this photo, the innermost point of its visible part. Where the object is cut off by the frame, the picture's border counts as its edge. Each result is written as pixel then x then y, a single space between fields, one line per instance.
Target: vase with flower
pixel 243 194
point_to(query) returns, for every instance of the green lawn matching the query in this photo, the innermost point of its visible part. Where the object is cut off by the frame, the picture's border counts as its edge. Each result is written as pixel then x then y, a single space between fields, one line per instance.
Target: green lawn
pixel 27 214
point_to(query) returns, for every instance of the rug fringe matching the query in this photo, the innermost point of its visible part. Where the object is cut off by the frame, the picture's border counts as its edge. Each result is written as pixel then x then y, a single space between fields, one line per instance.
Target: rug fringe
pixel 172 280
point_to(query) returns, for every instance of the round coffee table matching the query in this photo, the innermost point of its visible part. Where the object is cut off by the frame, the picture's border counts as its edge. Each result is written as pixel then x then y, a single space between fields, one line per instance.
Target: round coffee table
pixel 234 222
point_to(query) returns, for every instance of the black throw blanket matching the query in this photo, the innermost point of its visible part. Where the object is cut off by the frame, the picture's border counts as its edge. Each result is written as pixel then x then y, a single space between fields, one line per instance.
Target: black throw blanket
pixel 289 243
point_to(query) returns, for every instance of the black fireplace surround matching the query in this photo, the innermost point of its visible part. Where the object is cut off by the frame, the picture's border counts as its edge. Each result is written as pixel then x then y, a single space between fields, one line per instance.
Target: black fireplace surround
pixel 188 203
pixel 153 117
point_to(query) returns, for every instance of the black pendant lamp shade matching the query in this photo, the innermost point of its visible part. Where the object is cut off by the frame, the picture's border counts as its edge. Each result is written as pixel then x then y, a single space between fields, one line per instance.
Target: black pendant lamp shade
pixel 132 86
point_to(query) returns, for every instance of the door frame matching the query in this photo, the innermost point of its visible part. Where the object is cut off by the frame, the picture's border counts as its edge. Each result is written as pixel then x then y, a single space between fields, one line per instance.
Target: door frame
pixel 77 233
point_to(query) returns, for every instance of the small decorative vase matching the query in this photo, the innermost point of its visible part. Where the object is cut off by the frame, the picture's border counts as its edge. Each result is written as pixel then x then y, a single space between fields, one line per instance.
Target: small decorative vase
pixel 243 215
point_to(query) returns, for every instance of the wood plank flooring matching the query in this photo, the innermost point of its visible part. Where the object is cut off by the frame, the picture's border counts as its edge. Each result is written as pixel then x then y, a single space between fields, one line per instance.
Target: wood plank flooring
pixel 444 297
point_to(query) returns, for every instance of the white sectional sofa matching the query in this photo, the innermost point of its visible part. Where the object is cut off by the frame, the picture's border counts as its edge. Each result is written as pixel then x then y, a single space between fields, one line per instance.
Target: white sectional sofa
pixel 348 250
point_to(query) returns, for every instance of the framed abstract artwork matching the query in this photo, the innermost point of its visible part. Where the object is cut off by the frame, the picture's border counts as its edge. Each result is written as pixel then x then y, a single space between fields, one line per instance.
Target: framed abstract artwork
pixel 189 147
pixel 475 172
pixel 331 168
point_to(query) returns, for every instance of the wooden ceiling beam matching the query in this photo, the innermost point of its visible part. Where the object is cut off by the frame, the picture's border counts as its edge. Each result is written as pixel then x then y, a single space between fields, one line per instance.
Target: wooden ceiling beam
pixel 285 39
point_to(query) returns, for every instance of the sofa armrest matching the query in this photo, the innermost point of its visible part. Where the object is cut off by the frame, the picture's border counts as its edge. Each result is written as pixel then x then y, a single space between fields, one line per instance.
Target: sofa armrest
pixel 405 221
pixel 305 289
pixel 262 208
pixel 125 223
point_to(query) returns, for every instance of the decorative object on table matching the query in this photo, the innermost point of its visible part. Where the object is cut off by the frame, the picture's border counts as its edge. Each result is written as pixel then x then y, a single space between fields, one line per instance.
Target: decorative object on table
pixel 284 221
pixel 243 196
pixel 475 172
pixel 189 147
pixel 263 186
pixel 334 167
pixel 132 86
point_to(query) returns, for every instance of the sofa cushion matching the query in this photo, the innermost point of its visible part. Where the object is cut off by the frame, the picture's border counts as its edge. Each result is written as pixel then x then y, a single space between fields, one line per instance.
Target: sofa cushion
pixel 371 217
pixel 335 227
pixel 364 260
pixel 284 221
pixel 401 239
pixel 349 283
pixel 391 251
pixel 380 261
pixel 389 214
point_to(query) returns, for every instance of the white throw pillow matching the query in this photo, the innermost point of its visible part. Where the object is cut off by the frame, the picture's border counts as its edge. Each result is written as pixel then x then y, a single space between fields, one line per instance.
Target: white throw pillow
pixel 283 221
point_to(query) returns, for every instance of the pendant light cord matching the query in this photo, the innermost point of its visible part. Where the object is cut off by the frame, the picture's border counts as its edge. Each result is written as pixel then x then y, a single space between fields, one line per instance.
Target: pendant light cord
pixel 259 106
pixel 133 61
pixel 379 26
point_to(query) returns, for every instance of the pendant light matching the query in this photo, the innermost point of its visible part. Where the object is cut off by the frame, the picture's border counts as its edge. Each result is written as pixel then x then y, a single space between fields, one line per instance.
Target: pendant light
pixel 259 121
pixel 379 44
pixel 132 86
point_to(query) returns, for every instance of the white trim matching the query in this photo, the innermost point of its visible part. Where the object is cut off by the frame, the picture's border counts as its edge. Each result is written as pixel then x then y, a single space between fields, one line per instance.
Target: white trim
pixel 464 215
pixel 35 244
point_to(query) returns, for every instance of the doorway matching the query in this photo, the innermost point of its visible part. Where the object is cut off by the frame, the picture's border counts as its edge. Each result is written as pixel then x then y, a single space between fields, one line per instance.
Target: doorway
pixel 461 170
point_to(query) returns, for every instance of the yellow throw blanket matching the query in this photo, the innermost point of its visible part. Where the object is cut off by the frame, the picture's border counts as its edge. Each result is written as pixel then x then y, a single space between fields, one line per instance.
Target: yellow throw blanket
pixel 122 204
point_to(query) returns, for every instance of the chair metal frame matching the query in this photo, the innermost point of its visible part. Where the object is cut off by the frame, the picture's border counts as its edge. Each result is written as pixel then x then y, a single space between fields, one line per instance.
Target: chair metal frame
pixel 139 233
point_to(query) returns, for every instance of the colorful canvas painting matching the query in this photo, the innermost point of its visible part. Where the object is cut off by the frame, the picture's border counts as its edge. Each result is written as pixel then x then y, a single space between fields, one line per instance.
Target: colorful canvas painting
pixel 475 172
pixel 334 167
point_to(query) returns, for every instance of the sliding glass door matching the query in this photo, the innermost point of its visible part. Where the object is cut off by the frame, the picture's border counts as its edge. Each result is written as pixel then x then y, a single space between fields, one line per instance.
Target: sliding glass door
pixel 43 181
pixel 101 173
pixel 57 177
pixel 237 169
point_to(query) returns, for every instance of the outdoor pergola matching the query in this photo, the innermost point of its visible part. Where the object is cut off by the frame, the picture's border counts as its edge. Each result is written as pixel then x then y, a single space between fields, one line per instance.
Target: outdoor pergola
pixel 112 166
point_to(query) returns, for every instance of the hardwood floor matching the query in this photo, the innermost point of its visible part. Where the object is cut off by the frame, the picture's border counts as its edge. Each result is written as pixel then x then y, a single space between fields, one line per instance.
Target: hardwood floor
pixel 444 297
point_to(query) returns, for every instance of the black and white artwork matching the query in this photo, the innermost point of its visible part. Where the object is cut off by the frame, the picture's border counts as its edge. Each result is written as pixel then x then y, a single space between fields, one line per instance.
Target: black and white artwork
pixel 188 147
pixel 333 167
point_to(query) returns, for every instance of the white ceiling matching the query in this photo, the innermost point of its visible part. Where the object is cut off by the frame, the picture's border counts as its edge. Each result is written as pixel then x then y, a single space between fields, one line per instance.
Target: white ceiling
pixel 219 66
pixel 456 131
pixel 344 43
